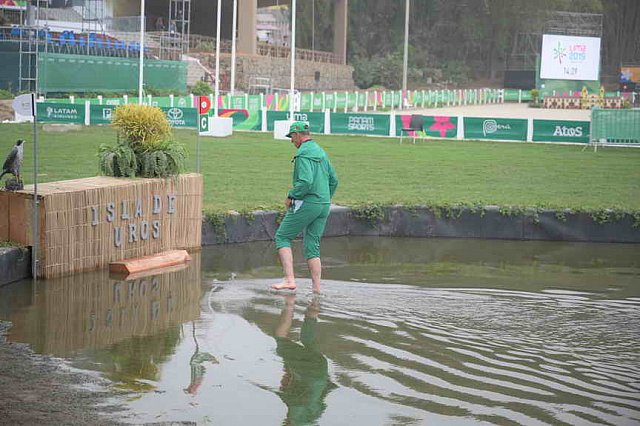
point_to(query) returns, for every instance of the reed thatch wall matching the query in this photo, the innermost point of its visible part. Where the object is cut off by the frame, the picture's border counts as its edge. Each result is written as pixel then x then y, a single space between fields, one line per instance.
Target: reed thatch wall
pixel 87 223
pixel 92 310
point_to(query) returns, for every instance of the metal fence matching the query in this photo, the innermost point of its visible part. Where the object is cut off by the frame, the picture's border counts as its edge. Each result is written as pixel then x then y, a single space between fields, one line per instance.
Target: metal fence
pixel 615 127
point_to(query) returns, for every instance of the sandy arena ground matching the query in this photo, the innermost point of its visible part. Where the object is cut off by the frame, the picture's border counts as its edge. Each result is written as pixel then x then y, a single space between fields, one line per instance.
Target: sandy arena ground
pixel 509 110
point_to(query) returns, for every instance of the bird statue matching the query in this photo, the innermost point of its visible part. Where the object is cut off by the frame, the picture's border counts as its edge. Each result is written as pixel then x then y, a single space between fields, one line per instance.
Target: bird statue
pixel 13 162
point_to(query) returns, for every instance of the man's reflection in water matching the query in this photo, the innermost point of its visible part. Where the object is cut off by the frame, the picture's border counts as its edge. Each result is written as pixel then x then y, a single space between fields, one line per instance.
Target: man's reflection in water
pixel 196 362
pixel 305 382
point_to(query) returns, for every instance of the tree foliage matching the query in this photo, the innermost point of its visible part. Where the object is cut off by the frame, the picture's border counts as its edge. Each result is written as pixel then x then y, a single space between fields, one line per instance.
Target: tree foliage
pixel 474 36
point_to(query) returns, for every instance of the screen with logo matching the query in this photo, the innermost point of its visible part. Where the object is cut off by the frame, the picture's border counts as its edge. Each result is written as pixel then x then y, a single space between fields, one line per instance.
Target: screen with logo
pixel 570 58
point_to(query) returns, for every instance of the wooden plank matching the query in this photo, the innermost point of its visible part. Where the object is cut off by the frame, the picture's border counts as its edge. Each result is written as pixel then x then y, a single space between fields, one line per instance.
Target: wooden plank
pixel 146 263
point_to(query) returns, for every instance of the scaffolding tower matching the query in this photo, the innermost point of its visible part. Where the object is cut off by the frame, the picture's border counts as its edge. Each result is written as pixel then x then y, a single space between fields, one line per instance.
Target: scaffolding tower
pixel 175 41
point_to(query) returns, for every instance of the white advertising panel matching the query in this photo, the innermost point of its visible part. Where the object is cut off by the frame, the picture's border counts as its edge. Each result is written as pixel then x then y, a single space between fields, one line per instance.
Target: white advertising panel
pixel 570 58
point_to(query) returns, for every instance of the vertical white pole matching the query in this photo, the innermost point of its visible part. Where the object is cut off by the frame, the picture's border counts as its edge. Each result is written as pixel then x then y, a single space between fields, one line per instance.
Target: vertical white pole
pixel 217 82
pixel 293 57
pixel 405 60
pixel 36 230
pixel 233 47
pixel 141 74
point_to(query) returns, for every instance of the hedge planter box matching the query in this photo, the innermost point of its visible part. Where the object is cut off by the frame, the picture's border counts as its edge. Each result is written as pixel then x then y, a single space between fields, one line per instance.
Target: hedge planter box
pixel 489 222
pixel 87 223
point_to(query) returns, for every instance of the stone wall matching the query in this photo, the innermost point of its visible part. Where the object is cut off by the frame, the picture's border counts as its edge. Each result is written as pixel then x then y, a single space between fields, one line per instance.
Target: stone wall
pixel 332 76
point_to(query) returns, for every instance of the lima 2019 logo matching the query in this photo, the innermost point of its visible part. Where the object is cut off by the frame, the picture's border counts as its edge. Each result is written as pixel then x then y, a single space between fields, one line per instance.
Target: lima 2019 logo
pixel 559 53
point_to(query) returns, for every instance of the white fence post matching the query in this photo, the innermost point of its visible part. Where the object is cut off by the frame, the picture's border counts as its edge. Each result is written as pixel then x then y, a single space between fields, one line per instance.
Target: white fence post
pixel 392 123
pixel 375 100
pixel 263 111
pixel 529 129
pixel 327 121
pixel 87 113
pixel 460 130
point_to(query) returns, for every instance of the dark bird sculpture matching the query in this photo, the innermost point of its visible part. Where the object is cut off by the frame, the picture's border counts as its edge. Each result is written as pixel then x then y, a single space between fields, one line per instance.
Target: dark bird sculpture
pixel 14 160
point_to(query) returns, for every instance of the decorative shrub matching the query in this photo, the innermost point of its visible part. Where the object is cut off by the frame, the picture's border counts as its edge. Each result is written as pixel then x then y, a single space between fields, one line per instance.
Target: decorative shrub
pixel 147 148
pixel 201 89
pixel 166 160
pixel 142 126
pixel 119 160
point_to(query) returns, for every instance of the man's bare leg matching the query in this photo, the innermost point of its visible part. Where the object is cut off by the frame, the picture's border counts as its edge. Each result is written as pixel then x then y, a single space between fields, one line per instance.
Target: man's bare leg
pixel 315 268
pixel 289 281
pixel 286 316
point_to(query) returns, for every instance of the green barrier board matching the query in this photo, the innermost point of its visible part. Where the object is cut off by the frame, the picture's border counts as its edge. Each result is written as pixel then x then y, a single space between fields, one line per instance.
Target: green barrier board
pixel 318 103
pixel 352 101
pixel 182 117
pixel 341 100
pixel 254 103
pixel 329 101
pixel 60 113
pixel 236 102
pixel 305 101
pixel 360 124
pixel 315 119
pixel 101 114
pixel 561 131
pixel 436 127
pixel 495 129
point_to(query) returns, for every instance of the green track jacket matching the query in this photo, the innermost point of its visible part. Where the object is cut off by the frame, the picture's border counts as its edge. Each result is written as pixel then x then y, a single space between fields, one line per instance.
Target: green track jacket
pixel 314 178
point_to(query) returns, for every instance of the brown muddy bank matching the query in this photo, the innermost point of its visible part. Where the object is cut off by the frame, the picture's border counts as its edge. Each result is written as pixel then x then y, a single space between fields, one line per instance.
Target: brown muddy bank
pixel 36 389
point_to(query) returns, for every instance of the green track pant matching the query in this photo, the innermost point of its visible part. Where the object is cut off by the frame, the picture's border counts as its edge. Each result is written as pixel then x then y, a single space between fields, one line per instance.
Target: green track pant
pixel 310 218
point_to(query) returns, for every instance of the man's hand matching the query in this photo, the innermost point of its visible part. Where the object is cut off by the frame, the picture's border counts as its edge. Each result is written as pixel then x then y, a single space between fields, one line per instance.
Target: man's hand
pixel 287 203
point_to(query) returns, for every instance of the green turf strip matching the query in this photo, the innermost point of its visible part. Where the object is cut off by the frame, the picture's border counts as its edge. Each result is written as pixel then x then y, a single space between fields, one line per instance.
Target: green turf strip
pixel 252 170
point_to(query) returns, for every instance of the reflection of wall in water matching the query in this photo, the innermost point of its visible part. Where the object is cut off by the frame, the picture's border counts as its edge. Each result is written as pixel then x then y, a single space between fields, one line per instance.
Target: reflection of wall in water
pixel 92 311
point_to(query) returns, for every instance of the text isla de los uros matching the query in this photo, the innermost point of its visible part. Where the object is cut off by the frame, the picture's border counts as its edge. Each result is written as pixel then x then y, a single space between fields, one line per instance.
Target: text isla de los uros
pixel 136 225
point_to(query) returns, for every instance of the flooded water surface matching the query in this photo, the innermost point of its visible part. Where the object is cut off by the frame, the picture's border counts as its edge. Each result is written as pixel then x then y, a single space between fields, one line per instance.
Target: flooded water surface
pixel 407 332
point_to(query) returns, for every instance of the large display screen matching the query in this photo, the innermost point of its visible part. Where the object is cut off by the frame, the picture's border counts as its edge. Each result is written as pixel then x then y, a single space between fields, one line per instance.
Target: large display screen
pixel 570 58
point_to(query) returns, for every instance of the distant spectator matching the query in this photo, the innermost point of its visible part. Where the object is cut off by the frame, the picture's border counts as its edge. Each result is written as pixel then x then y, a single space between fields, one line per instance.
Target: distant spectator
pixel 159 23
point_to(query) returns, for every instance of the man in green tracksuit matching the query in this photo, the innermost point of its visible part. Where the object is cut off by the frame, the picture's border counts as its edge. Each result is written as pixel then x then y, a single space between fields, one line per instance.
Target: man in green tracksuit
pixel 307 204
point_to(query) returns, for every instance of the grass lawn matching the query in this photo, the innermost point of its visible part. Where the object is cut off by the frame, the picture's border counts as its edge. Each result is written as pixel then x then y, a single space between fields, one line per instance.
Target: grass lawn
pixel 251 170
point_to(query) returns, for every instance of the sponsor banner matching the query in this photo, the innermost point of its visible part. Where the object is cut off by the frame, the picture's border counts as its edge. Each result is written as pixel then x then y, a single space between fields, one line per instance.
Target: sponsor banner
pixel 181 117
pixel 318 104
pixel 236 102
pixel 101 114
pixel 180 101
pixel 243 119
pixel 387 99
pixel 113 101
pixel 362 99
pixel 360 124
pixel 254 103
pixel 351 100
pixel 495 128
pixel 416 97
pixel 305 101
pixel 561 131
pixel 432 126
pixel 315 119
pixel 397 98
pixel 341 100
pixel 330 100
pixel 60 113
